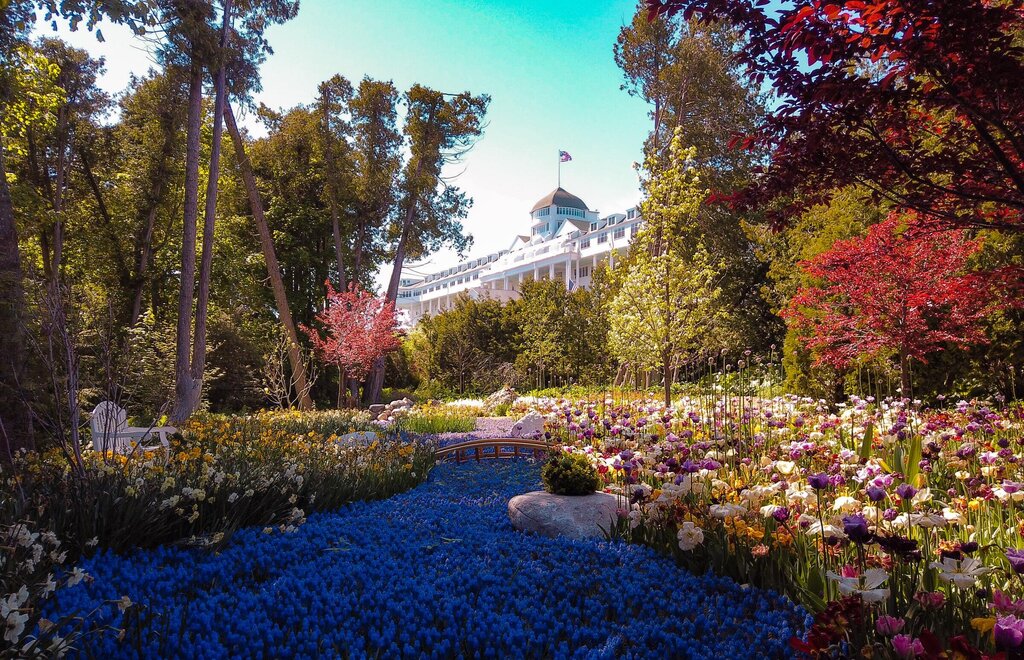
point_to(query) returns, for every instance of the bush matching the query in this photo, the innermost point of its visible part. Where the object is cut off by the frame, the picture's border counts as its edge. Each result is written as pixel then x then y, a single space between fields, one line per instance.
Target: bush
pixel 569 474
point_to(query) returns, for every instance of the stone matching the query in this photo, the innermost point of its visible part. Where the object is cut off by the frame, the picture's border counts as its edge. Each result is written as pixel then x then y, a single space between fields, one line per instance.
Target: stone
pixel 383 417
pixel 531 425
pixel 504 396
pixel 377 408
pixel 572 516
pixel 358 438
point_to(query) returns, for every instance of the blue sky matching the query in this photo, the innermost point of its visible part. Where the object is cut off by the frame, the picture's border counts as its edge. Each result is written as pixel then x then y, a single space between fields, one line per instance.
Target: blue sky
pixel 547 65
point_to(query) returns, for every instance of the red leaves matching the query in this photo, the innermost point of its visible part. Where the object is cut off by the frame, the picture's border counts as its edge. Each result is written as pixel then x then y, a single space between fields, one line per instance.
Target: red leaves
pixel 358 329
pixel 902 288
pixel 949 60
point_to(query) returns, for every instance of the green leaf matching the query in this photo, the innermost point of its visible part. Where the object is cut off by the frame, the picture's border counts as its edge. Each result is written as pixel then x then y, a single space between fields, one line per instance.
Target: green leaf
pixel 912 466
pixel 865 445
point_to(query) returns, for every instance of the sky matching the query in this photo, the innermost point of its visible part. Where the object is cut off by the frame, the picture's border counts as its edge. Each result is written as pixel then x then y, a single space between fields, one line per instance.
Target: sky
pixel 547 65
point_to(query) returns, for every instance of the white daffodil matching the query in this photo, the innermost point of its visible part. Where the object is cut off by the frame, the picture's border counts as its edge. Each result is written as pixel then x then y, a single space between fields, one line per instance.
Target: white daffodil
pixel 690 536
pixel 867 585
pixel 124 603
pixel 963 573
pixel 77 575
pixel 14 626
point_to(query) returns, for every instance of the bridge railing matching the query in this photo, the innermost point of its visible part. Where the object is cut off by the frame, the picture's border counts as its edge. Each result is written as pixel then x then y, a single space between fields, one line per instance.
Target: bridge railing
pixel 501 448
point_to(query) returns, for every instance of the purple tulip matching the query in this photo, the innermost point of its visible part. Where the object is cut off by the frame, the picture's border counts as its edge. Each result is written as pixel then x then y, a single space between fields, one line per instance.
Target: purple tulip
pixel 1009 632
pixel 856 527
pixel 1016 558
pixel 818 481
pixel 906 491
pixel 875 494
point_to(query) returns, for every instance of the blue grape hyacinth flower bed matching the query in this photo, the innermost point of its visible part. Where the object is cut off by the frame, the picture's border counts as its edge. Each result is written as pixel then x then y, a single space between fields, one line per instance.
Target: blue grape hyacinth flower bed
pixel 434 572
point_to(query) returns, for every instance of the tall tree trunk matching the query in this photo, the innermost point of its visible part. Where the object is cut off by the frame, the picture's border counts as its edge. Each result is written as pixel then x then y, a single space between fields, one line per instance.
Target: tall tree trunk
pixel 143 256
pixel 120 263
pixel 14 416
pixel 183 384
pixel 60 182
pixel 666 366
pixel 144 237
pixel 270 256
pixel 357 258
pixel 189 402
pixel 332 187
pixel 375 381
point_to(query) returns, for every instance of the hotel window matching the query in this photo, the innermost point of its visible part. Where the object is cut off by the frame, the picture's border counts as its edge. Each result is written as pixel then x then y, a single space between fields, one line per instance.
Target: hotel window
pixel 633 230
pixel 630 214
pixel 584 271
pixel 544 211
pixel 593 226
pixel 620 232
pixel 585 244
pixel 602 237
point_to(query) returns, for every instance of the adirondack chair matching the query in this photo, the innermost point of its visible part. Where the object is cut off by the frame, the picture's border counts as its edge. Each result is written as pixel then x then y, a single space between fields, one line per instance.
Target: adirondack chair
pixel 110 430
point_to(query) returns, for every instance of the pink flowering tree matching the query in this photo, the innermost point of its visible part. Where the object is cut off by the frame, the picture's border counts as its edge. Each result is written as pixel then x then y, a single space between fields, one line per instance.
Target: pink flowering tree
pixel 357 329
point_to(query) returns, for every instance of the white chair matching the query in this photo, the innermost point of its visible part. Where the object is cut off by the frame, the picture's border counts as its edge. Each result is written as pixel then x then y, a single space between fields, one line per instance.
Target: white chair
pixel 110 430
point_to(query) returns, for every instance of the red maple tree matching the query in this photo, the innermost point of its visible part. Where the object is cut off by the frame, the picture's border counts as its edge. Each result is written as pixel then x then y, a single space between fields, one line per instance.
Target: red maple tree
pixel 921 101
pixel 358 328
pixel 901 290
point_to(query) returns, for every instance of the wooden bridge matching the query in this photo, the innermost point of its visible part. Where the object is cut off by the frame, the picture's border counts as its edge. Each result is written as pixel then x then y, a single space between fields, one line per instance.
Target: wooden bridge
pixel 502 448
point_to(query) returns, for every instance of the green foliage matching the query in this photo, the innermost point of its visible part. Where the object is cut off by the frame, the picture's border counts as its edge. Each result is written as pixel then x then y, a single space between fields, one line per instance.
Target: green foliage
pixel 468 348
pixel 569 474
pixel 667 310
pixel 432 420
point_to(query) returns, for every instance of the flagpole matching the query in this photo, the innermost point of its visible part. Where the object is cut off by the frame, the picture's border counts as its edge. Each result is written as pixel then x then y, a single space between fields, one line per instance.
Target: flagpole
pixel 559 169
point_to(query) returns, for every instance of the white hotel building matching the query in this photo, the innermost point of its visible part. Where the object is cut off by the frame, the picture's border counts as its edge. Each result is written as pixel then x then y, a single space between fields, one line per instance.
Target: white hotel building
pixel 566 242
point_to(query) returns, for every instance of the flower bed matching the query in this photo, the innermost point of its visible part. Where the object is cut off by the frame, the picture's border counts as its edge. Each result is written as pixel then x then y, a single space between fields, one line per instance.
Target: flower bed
pixel 900 526
pixel 436 571
pixel 226 473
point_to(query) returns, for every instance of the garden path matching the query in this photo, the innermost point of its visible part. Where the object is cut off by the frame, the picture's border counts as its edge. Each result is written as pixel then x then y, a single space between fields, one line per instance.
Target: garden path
pixel 434 572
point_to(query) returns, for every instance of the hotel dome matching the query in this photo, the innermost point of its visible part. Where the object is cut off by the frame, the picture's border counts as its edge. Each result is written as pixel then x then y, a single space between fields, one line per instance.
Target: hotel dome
pixel 560 197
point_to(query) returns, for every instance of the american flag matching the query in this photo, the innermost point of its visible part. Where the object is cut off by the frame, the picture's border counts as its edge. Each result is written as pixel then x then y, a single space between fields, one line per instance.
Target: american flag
pixel 564 157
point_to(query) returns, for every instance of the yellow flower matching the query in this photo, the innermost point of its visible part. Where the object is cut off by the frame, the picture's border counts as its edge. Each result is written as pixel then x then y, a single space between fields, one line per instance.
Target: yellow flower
pixel 983 625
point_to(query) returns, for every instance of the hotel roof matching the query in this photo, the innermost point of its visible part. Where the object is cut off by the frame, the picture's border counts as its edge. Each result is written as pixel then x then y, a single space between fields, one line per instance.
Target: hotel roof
pixel 560 197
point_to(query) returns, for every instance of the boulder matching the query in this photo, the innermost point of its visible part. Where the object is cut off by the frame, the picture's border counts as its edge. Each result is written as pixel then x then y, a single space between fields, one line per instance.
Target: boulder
pixel 504 396
pixel 531 425
pixel 572 516
pixel 358 438
pixel 377 408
